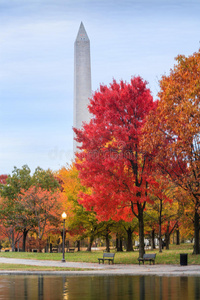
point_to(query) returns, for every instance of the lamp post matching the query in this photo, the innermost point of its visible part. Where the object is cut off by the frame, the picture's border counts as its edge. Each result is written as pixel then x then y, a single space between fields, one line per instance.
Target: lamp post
pixel 64 216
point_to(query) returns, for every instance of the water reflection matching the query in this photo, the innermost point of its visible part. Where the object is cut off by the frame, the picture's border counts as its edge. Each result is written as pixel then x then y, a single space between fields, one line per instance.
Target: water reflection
pixel 98 287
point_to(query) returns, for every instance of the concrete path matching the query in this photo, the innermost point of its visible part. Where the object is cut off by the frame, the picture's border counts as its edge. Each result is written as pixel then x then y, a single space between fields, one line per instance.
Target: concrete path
pixel 103 269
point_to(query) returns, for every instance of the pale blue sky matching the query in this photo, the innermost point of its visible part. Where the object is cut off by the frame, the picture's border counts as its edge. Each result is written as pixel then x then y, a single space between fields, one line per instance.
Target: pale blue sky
pixel 127 37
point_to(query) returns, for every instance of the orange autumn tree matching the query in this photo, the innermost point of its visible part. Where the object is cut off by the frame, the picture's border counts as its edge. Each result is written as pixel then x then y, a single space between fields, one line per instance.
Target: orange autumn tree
pixel 71 187
pixel 187 216
pixel 80 223
pixel 175 130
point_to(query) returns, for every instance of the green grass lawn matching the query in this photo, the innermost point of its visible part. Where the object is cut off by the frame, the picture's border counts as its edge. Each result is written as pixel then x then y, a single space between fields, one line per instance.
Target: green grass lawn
pixel 171 256
pixel 16 267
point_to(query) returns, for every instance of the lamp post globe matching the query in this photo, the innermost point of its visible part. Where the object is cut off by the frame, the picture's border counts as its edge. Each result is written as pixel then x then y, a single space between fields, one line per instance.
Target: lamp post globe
pixel 64 216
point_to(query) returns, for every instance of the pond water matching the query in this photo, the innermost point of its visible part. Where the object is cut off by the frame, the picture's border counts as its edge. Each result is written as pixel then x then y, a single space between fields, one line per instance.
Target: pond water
pixel 32 287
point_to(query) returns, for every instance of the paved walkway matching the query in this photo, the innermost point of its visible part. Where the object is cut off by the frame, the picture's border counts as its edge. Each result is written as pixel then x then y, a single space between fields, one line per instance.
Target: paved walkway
pixel 103 269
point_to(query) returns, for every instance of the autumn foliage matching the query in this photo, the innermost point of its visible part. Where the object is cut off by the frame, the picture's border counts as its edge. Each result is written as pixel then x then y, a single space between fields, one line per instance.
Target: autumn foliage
pixel 112 160
pixel 137 158
pixel 29 204
pixel 3 179
pixel 42 207
pixel 174 129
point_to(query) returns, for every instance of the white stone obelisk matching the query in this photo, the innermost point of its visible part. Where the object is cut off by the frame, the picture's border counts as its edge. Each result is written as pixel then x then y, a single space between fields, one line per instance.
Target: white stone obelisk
pixel 82 80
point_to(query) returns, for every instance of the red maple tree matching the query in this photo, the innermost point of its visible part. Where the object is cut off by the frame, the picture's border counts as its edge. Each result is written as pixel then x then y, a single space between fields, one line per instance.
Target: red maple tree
pixel 112 161
pixel 3 178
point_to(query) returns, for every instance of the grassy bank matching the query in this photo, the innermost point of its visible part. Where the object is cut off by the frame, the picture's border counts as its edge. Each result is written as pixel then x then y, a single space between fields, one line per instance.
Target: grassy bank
pixel 171 256
pixel 16 267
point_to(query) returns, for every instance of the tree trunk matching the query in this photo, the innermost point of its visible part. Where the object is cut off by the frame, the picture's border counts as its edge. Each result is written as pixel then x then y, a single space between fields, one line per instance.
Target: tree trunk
pixel 117 239
pixel 196 233
pixel 177 237
pixel 90 244
pixel 79 245
pixel 39 245
pixel 160 236
pixel 25 232
pixel 153 239
pixel 160 227
pixel 141 229
pixel 129 239
pixel 13 241
pixel 119 243
pixel 160 240
pixel 47 245
pixel 107 242
pixel 167 236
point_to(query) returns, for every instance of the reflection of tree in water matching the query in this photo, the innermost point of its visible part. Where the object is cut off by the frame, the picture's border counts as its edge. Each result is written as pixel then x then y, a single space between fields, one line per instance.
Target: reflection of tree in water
pixel 26 288
pixel 196 288
pixel 142 288
pixel 41 287
pixel 160 292
pixel 113 287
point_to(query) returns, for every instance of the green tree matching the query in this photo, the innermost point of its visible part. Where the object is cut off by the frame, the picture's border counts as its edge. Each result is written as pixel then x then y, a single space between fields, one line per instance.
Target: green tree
pixel 14 216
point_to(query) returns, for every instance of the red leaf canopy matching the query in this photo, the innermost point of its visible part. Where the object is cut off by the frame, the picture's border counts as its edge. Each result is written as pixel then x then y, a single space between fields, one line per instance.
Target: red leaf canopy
pixel 112 161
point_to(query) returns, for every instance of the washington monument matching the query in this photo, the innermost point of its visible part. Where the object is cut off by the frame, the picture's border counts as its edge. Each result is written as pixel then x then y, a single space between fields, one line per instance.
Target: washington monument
pixel 82 80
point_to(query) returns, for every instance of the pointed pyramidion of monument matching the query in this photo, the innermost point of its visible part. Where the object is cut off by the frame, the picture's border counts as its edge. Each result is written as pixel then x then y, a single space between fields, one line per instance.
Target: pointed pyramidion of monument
pixel 82 80
pixel 82 34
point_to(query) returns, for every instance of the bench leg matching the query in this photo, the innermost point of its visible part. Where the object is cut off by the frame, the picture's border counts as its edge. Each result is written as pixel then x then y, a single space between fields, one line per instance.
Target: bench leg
pixel 101 259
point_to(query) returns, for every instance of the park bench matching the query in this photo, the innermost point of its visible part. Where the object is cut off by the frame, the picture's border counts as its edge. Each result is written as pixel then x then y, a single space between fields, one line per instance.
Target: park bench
pixel 107 256
pixel 54 250
pixel 147 257
pixel 71 250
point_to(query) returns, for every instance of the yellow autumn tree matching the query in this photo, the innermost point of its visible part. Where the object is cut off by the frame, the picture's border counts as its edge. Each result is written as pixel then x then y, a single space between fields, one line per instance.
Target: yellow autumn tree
pixel 80 223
